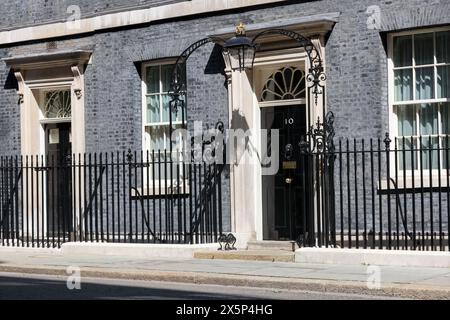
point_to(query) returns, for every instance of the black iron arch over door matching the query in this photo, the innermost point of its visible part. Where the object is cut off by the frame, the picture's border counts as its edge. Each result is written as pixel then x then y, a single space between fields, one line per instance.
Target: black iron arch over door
pixel 315 148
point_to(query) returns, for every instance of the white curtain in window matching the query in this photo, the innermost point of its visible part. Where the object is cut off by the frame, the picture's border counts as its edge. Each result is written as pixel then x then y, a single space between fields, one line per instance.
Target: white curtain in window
pixel 406 120
pixel 166 108
pixel 424 83
pixel 429 126
pixel 428 119
pixel 403 85
pixel 406 128
pixel 153 109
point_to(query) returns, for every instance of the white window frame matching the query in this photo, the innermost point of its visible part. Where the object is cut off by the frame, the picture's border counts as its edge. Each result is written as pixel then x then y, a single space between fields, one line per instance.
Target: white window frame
pixel 145 65
pixel 393 119
pixel 146 146
pixel 271 69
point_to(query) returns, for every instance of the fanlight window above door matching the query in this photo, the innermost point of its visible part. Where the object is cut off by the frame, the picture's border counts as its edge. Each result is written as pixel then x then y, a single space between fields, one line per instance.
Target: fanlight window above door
pixel 287 83
pixel 57 104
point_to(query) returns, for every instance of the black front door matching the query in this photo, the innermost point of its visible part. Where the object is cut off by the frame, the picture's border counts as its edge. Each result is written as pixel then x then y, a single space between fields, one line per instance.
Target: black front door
pixel 59 178
pixel 286 188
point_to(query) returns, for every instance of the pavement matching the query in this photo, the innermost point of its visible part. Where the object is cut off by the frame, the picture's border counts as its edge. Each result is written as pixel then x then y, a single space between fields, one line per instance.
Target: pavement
pixel 387 281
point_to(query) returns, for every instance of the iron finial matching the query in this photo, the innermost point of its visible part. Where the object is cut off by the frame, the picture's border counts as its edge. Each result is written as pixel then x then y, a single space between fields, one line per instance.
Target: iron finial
pixel 129 156
pixel 387 141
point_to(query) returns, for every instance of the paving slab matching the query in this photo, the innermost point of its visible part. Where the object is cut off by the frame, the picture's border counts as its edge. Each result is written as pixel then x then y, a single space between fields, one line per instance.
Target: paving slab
pixel 418 282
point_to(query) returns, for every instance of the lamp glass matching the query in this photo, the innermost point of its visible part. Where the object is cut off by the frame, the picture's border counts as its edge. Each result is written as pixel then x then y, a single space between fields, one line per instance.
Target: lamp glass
pixel 240 57
pixel 248 58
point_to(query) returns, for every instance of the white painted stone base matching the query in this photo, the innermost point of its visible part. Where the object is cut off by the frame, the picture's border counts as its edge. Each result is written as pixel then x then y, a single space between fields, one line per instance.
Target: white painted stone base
pixel 135 250
pixel 242 239
pixel 30 250
pixel 373 257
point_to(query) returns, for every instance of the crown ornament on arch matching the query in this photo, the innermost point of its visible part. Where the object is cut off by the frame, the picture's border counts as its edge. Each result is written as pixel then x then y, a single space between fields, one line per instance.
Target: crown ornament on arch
pixel 240 29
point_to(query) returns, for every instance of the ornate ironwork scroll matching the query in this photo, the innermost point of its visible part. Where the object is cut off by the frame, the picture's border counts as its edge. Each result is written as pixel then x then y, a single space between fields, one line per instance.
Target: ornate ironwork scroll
pixel 320 137
pixel 178 85
pixel 227 242
pixel 316 75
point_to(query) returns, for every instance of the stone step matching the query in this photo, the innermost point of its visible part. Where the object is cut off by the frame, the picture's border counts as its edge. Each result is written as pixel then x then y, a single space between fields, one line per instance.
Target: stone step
pixel 272 245
pixel 253 255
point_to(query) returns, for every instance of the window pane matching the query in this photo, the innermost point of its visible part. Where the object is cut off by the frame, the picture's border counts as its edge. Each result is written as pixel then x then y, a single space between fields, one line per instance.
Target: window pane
pixel 166 99
pixel 406 116
pixel 443 47
pixel 166 76
pixel 445 118
pixel 153 109
pixel 407 151
pixel 166 108
pixel 429 153
pixel 445 146
pixel 57 104
pixel 424 83
pixel 424 49
pixel 180 115
pixel 403 51
pixel 443 82
pixel 428 115
pixel 177 141
pixel 403 85
pixel 152 78
pixel 156 137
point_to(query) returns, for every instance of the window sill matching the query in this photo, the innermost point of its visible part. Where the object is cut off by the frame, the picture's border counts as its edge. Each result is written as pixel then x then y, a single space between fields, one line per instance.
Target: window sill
pixel 410 185
pixel 160 191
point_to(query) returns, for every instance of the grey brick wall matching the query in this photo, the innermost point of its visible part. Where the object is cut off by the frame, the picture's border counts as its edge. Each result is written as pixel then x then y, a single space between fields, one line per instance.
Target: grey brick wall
pixel 9 111
pixel 23 13
pixel 356 65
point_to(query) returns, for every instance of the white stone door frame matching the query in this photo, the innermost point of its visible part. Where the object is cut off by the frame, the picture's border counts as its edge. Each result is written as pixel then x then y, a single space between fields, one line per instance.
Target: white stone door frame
pixel 245 176
pixel 35 74
pixel 32 120
pixel 271 61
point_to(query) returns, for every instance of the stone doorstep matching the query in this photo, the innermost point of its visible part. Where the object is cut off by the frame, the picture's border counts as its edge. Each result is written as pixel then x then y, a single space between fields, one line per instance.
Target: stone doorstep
pixel 253 255
pixel 288 246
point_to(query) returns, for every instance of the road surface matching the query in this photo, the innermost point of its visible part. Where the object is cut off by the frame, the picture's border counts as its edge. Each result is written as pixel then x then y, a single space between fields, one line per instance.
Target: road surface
pixel 25 286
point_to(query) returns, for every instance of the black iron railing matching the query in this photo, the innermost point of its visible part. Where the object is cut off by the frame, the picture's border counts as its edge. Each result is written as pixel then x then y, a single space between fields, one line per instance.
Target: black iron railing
pixel 137 197
pixel 378 194
pixel 391 194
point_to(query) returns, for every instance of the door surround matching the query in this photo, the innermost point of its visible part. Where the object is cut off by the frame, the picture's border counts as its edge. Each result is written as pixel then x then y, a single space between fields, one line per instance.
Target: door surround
pixel 35 73
pixel 244 88
pixel 265 64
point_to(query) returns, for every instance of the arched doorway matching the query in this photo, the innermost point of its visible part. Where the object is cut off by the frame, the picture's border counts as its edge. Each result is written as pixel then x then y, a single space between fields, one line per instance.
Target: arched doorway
pixel 283 107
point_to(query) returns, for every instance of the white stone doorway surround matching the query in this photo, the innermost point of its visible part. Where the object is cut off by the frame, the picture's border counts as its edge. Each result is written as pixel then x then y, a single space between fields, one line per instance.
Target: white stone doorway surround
pixel 37 75
pixel 244 89
pixel 49 71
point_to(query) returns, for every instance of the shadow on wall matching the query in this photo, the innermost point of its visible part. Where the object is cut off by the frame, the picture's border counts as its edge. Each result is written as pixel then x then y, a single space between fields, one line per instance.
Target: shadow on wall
pixel 241 141
pixel 11 81
pixel 215 64
pixel 239 145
